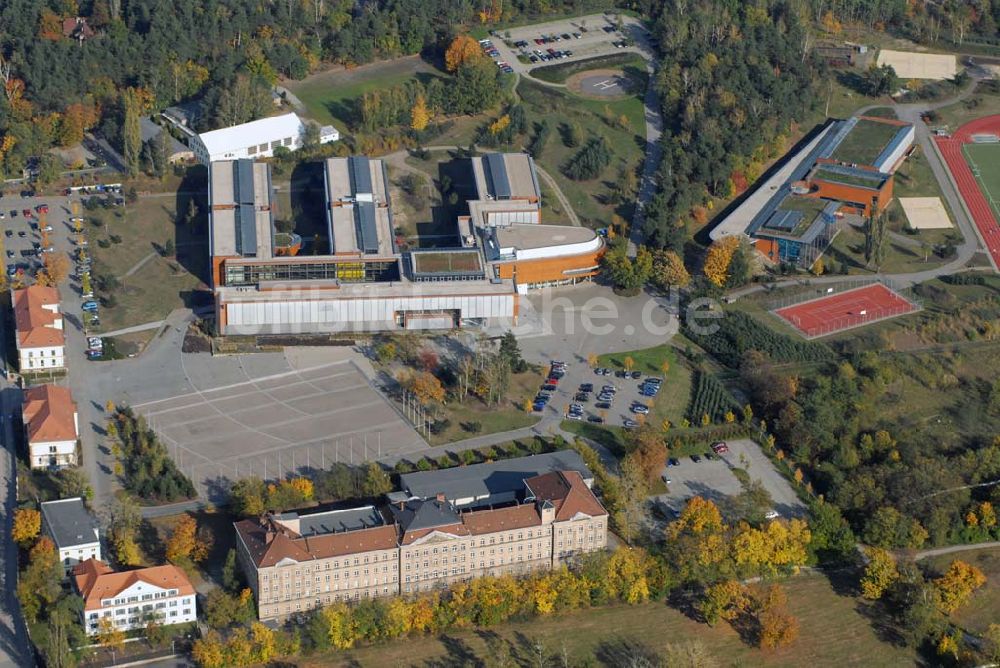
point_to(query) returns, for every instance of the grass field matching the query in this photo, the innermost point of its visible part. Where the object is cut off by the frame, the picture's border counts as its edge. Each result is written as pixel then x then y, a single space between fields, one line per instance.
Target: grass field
pixel 329 96
pixel 508 415
pixel 864 143
pixel 985 101
pixel 151 285
pixel 833 632
pixel 590 199
pixel 984 607
pixel 984 159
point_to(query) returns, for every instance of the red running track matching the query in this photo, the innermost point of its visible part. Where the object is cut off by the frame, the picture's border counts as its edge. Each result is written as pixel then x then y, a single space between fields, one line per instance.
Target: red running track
pixel 982 214
pixel 826 315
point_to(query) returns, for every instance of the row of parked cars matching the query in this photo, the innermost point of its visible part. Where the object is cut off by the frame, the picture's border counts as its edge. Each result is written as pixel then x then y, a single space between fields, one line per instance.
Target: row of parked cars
pixel 490 50
pixel 557 370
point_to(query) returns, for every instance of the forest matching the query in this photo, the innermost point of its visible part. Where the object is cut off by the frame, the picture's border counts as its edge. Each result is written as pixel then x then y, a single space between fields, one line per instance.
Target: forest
pixel 227 53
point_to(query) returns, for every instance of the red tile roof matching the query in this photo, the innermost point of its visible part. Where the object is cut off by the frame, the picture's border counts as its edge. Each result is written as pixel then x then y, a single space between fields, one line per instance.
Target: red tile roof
pixel 268 543
pixel 502 519
pixel 96 581
pixel 36 325
pixel 49 414
pixel 569 493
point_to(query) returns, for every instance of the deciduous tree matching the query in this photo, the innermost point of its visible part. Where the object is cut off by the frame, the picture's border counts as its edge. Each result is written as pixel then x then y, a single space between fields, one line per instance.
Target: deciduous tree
pixel 957 585
pixel 880 573
pixel 27 524
pixel 462 49
pixel 720 255
pixel 184 544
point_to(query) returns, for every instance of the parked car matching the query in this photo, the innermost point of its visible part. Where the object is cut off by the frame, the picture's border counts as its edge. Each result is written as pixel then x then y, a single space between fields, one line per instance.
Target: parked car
pixel 673 461
pixel 46 228
pixel 666 479
pixel 42 208
pixel 549 387
pixel 695 458
pixel 587 387
pixel 640 409
pixel 581 396
pixel 709 456
pixel 89 305
pixel 596 419
pixel 772 515
pixel 26 213
pixel 636 375
pixel 606 405
pixel 720 448
pixel 22 233
pixel 8 233
pixel 95 342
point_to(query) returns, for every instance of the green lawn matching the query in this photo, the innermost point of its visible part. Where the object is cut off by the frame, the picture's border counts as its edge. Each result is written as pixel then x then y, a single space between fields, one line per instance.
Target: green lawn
pixel 864 143
pixel 156 285
pixel 900 256
pixel 588 198
pixel 834 631
pixel 509 415
pixel 329 96
pixel 985 101
pixel 984 606
pixel 863 180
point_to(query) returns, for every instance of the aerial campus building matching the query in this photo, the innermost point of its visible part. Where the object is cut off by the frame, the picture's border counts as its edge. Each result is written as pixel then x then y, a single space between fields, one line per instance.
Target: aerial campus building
pixel 845 170
pixel 519 516
pixel 357 278
pixel 256 139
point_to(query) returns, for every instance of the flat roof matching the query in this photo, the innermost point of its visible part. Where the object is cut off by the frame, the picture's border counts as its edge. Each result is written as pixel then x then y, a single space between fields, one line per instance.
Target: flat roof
pixel 523 237
pixel 261 131
pixel 242 220
pixel 69 522
pixel 335 521
pixel 766 197
pixel 359 207
pixel 865 141
pixel 506 176
pixel 446 261
pixel 484 480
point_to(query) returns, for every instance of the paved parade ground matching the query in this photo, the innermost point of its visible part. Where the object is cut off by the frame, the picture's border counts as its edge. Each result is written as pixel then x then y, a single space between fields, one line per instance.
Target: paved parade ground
pixel 280 424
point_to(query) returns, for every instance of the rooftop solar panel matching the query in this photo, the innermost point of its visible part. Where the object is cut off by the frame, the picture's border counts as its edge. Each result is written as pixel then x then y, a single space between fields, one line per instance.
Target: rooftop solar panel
pixel 361 175
pixel 784 220
pixel 245 216
pixel 367 231
pixel 497 174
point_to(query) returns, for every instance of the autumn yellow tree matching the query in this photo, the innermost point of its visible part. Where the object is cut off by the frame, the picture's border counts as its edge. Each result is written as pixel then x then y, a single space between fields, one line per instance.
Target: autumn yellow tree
pixel 424 385
pixel 880 573
pixel 56 267
pixel 669 270
pixel 184 544
pixel 209 651
pixel 461 49
pixel 27 524
pixel 723 600
pixel 957 584
pixel 108 636
pixel 339 626
pixel 628 363
pixel 420 115
pixel 304 486
pixel 593 360
pixel 499 125
pixel 720 255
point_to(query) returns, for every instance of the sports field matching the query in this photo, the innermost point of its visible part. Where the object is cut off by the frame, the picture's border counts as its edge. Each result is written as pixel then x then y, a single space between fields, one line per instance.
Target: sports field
pixel 853 308
pixel 984 160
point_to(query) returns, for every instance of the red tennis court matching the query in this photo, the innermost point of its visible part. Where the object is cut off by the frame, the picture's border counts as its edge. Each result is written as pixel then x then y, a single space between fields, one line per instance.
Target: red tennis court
pixel 853 308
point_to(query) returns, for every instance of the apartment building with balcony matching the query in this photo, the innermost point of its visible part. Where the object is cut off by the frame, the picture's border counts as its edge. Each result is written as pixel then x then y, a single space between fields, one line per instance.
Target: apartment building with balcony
pixel 297 562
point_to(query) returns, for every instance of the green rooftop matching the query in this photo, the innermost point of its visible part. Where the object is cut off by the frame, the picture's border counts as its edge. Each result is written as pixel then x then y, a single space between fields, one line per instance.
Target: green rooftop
pixel 865 142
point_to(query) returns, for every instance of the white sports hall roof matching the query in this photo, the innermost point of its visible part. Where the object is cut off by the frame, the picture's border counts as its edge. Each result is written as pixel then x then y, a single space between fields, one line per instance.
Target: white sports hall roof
pixel 231 139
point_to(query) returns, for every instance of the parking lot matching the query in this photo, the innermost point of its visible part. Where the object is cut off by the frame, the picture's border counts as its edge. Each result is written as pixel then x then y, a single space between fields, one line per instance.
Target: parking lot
pixel 616 412
pixel 566 40
pixel 714 479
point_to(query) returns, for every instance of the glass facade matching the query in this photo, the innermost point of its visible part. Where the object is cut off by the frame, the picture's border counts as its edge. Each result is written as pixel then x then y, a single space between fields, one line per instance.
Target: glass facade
pixel 345 271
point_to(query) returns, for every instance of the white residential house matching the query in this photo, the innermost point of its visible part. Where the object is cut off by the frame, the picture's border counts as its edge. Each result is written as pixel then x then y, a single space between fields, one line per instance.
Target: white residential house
pixel 130 599
pixel 51 426
pixel 73 529
pixel 256 139
pixel 41 341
